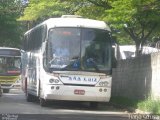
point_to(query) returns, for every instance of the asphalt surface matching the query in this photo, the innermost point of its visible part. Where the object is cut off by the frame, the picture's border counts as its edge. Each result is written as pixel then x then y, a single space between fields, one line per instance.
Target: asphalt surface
pixel 13 106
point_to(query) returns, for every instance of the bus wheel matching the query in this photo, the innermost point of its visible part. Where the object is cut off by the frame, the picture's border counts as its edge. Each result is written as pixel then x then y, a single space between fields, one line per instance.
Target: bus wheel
pixel 43 102
pixel 29 97
pixel 5 90
pixel 93 105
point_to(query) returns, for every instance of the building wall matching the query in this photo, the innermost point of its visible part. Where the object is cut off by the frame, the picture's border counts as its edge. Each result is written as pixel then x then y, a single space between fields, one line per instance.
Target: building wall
pixel 138 77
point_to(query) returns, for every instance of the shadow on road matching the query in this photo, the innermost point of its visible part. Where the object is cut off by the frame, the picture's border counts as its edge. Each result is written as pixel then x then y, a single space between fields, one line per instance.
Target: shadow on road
pixel 16 104
pixel 18 96
pixel 76 105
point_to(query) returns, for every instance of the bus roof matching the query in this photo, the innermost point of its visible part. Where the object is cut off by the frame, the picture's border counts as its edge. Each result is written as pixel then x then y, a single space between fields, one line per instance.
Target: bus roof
pixel 74 22
pixel 8 48
pixel 10 52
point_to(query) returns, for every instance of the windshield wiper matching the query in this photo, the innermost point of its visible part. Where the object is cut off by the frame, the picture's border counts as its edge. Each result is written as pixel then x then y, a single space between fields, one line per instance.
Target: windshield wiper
pixel 73 65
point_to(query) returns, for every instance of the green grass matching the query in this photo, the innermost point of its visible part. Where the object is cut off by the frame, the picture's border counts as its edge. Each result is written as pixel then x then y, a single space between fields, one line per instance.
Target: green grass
pixel 150 105
pixel 147 105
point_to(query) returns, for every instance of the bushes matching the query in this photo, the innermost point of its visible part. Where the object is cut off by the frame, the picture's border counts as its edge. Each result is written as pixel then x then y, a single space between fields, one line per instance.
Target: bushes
pixel 150 105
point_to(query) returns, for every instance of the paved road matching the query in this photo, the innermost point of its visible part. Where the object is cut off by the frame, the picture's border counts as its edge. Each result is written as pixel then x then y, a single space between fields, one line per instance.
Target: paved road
pixel 13 106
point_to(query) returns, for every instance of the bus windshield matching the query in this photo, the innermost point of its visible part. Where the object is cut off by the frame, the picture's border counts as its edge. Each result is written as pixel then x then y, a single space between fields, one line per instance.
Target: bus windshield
pixel 85 49
pixel 10 65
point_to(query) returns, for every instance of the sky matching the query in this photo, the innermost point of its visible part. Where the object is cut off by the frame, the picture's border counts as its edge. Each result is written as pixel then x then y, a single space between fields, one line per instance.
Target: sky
pixel 24 2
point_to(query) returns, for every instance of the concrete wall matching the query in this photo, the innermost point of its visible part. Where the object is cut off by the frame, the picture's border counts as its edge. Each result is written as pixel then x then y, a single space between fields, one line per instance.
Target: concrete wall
pixel 137 78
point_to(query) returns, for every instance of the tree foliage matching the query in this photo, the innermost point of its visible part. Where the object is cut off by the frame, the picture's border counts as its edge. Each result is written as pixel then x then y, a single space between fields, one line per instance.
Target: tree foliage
pixel 10 10
pixel 41 9
pixel 138 19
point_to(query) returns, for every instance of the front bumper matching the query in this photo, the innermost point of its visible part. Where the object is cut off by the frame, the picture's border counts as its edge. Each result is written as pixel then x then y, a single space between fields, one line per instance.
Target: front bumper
pixel 66 92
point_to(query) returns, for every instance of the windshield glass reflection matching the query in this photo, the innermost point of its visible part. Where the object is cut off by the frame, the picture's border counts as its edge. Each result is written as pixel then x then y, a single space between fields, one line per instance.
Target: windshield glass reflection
pixel 78 49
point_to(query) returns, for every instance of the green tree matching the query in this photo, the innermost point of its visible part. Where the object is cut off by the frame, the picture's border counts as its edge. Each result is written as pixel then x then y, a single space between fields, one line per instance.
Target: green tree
pixel 42 9
pixel 10 10
pixel 138 18
pixel 38 10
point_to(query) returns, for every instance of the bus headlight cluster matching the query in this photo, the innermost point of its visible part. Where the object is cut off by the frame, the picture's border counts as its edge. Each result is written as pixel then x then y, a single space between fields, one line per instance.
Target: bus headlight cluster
pixel 54 81
pixel 103 83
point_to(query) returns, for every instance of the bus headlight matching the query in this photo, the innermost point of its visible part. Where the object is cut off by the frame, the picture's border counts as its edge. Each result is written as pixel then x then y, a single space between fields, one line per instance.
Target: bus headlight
pixel 54 81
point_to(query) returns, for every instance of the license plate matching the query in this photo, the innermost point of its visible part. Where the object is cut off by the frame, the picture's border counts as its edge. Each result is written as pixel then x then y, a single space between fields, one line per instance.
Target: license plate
pixel 79 92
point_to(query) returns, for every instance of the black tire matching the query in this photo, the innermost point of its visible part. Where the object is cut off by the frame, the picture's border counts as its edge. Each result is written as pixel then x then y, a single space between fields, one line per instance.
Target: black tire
pixel 93 105
pixel 5 90
pixel 29 97
pixel 43 102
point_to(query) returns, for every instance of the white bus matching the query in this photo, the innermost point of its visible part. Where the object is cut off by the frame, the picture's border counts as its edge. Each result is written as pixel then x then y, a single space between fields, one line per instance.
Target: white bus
pixel 10 62
pixel 68 59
